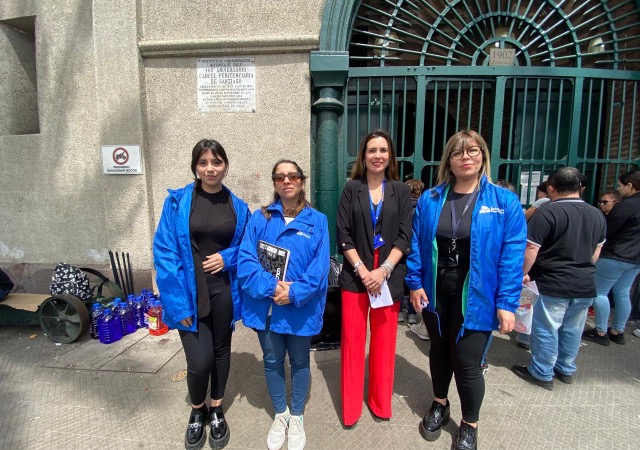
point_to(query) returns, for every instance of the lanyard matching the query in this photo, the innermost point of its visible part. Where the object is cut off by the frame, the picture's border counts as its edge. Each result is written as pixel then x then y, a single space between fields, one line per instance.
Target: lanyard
pixel 375 213
pixel 375 216
pixel 455 224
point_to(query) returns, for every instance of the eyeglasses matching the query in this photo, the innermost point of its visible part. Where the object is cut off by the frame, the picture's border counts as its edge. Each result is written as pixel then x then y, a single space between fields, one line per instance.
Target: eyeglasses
pixel 606 202
pixel 292 176
pixel 471 151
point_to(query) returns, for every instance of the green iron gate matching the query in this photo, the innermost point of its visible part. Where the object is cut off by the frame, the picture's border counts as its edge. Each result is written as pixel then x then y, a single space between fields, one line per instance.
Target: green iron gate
pixel 533 125
pixel 546 83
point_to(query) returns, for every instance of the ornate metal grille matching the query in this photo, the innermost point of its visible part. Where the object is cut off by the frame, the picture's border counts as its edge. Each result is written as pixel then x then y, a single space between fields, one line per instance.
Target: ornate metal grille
pixel 568 33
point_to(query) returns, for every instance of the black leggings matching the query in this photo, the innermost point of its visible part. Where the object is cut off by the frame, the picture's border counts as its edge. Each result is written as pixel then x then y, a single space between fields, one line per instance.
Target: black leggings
pixel 208 350
pixel 448 357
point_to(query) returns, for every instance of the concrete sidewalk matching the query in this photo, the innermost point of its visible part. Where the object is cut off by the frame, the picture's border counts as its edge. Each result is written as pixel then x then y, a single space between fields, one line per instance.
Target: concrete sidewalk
pixel 90 396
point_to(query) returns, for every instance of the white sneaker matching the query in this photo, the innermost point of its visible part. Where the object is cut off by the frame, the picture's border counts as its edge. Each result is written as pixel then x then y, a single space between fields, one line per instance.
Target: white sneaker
pixel 278 431
pixel 297 438
pixel 636 332
pixel 420 330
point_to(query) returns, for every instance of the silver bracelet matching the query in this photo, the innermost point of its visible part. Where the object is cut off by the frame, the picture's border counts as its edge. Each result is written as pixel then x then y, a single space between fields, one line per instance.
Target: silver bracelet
pixel 356 266
pixel 387 266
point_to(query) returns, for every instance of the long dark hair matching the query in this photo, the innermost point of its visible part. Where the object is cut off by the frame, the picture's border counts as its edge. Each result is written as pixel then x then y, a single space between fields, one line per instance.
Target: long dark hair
pixel 390 172
pixel 633 177
pixel 302 198
pixel 200 148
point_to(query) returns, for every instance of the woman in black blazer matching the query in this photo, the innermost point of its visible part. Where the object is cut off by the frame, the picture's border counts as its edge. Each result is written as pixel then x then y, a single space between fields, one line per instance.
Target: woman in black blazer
pixel 374 235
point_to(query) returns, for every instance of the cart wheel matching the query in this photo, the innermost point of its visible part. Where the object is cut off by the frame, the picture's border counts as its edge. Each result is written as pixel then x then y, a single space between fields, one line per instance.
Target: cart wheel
pixel 64 318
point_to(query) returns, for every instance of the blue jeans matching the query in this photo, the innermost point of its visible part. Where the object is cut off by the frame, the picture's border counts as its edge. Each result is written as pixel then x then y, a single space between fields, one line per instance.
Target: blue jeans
pixel 556 331
pixel 616 276
pixel 274 346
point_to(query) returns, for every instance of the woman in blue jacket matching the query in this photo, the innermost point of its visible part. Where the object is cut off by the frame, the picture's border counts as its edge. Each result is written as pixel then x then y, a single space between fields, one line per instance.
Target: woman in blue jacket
pixel 465 272
pixel 286 312
pixel 195 253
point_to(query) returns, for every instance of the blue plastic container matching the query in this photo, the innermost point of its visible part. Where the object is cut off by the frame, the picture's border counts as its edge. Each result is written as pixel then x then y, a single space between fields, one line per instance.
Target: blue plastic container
pixel 126 317
pixel 96 313
pixel 138 311
pixel 109 327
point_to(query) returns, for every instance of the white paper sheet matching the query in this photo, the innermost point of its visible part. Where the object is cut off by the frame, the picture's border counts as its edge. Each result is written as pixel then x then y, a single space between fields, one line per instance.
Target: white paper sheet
pixel 384 299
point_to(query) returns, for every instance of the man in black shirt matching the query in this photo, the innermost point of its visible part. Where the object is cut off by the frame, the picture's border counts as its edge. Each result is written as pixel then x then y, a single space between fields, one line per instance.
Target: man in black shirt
pixel 563 242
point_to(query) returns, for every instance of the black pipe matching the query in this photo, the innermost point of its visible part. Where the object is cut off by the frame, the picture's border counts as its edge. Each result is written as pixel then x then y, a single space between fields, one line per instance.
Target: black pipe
pixel 114 270
pixel 133 291
pixel 121 276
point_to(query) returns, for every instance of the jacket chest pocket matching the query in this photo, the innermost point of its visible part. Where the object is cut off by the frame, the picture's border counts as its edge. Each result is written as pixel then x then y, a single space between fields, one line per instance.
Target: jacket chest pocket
pixel 488 228
pixel 301 244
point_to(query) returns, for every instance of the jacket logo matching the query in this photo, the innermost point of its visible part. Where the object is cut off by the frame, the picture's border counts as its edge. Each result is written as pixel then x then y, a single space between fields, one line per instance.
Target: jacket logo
pixel 486 210
pixel 300 233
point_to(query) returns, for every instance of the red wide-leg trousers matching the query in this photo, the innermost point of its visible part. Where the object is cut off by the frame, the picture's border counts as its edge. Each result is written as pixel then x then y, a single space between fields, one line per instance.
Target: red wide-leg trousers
pixel 382 354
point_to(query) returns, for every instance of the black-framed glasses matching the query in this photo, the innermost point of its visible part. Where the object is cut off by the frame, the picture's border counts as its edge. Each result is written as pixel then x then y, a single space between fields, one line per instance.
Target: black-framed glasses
pixel 606 202
pixel 292 176
pixel 471 151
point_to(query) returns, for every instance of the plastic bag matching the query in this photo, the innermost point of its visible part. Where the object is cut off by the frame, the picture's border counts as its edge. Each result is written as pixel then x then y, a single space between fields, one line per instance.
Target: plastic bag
pixel 524 313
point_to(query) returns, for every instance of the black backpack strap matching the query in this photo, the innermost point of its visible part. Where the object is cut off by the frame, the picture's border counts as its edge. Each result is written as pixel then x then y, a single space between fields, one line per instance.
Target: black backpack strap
pixel 95 272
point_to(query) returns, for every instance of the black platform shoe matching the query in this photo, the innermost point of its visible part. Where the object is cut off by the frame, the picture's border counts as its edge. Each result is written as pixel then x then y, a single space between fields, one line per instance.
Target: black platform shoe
pixel 195 436
pixel 219 433
pixel 467 437
pixel 431 424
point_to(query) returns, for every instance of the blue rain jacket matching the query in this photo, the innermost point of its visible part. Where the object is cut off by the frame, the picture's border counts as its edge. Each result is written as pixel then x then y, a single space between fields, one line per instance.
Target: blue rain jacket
pixel 307 238
pixel 173 258
pixel 498 241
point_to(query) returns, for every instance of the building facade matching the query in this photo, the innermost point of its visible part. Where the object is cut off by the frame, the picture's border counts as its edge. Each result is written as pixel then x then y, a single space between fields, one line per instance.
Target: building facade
pixel 547 83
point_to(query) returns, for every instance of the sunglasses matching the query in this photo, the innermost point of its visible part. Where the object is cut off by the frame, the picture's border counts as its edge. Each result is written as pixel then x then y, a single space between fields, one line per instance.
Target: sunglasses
pixel 292 176
pixel 606 202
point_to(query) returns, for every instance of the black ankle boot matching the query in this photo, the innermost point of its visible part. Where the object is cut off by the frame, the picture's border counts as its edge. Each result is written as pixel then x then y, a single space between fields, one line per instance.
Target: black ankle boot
pixel 195 436
pixel 431 424
pixel 219 434
pixel 467 437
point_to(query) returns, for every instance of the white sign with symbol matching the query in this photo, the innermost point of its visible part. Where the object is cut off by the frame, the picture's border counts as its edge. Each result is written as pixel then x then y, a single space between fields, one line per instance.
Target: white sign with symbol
pixel 121 159
pixel 226 84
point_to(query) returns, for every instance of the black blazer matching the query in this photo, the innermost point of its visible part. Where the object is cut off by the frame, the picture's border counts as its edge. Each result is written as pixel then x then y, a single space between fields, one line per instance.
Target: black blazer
pixel 355 230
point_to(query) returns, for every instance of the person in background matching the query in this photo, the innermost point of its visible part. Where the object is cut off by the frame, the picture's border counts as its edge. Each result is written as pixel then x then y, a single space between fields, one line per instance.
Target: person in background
pixel 619 263
pixel 507 185
pixel 287 312
pixel 6 285
pixel 541 199
pixel 584 182
pixel 465 272
pixel 195 251
pixel 608 200
pixel 417 327
pixel 374 235
pixel 406 308
pixel 522 339
pixel 564 241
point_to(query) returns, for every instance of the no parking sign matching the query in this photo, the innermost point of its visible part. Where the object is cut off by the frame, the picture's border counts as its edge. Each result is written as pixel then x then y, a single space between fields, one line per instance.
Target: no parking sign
pixel 121 159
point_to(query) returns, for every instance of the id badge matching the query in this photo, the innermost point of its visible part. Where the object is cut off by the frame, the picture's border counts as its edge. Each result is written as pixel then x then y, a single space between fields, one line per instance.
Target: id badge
pixel 377 241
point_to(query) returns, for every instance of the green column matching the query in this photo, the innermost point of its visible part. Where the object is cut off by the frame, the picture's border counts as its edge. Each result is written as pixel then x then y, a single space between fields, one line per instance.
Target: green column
pixel 329 71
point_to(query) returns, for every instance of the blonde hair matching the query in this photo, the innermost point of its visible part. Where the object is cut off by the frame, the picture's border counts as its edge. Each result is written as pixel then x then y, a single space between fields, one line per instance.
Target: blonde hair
pixel 460 141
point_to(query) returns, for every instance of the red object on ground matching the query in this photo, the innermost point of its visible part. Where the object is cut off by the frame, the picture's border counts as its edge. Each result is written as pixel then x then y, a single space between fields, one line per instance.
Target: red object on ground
pixel 156 326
